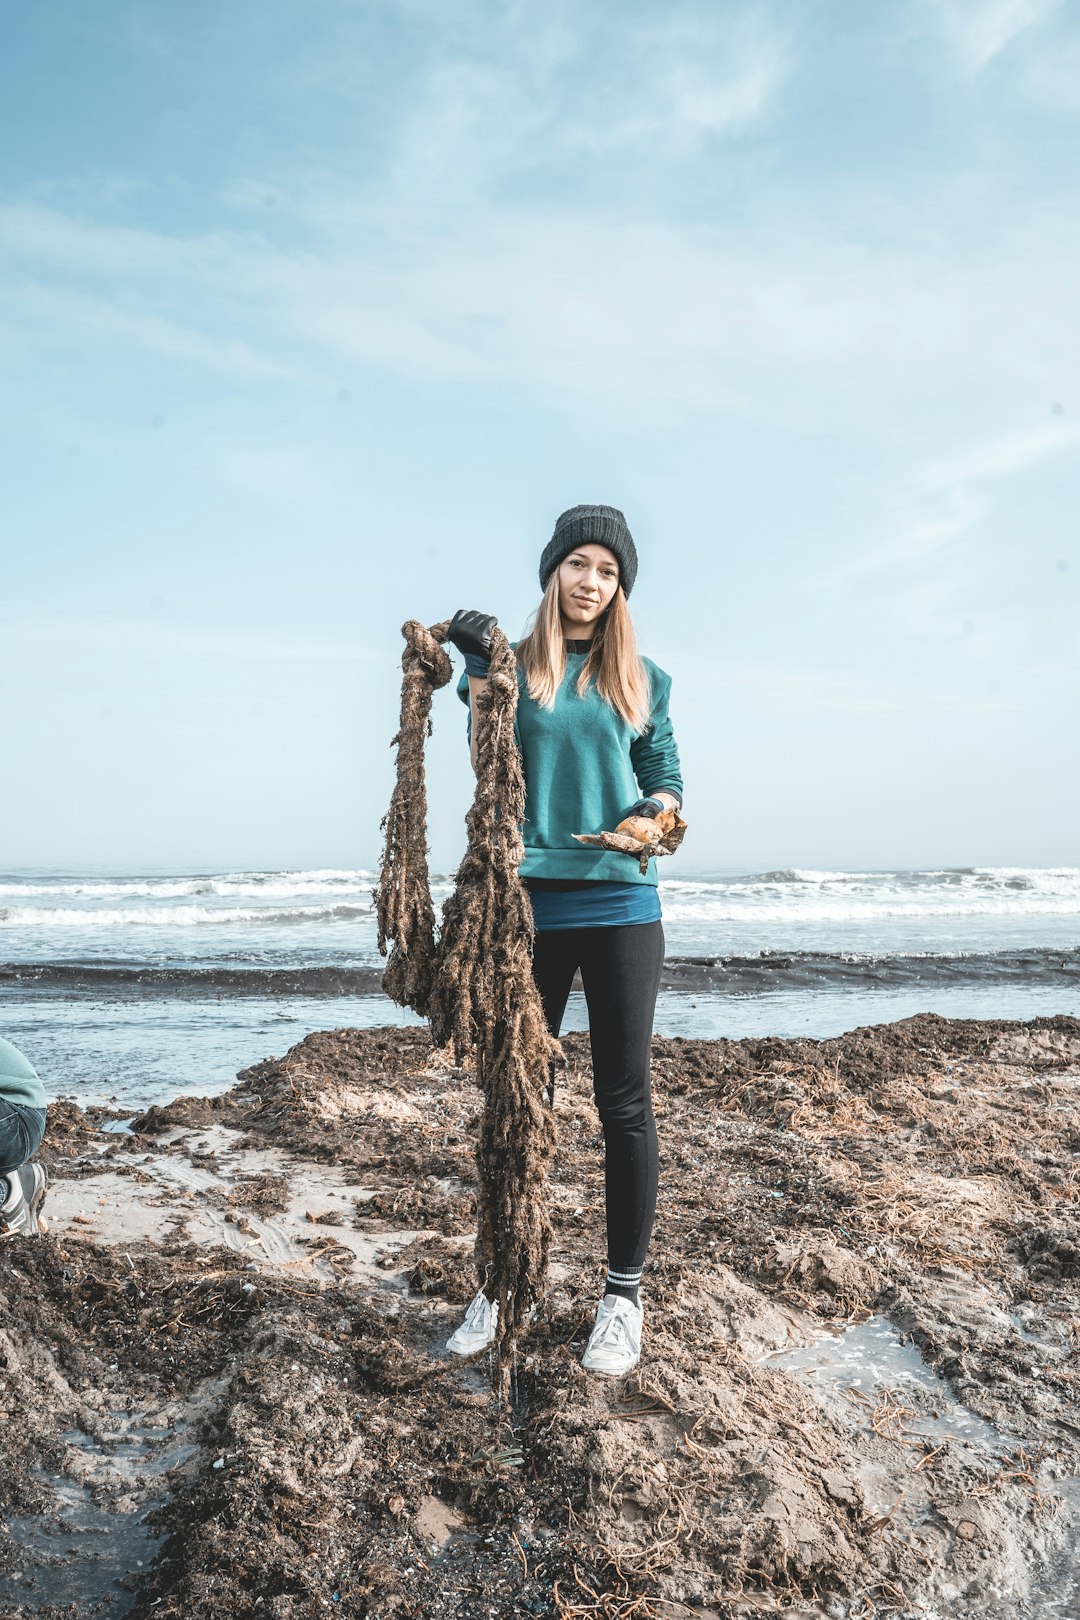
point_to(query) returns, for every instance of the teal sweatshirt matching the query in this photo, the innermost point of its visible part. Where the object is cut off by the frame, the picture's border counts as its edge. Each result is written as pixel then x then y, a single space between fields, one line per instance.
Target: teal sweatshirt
pixel 584 768
pixel 18 1078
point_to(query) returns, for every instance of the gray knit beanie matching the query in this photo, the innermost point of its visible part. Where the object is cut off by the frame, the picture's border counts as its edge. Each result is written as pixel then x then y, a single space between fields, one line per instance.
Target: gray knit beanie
pixel 598 525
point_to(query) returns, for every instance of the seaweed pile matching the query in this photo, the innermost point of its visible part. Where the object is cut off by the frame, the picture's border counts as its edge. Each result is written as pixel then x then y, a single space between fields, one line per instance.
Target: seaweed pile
pixel 224 1390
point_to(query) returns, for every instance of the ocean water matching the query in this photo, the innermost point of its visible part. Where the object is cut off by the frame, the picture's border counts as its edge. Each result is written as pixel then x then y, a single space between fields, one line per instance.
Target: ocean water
pixel 134 987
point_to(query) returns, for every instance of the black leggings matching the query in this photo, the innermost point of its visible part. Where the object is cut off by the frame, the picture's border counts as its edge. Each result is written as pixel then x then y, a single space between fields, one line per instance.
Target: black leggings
pixel 620 974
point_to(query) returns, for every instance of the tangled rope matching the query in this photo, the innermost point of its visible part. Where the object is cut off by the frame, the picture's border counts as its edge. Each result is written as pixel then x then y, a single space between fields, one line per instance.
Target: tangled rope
pixel 475 981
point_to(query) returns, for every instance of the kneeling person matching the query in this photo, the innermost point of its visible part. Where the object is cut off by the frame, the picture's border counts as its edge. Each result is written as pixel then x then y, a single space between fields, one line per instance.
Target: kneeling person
pixel 22 1125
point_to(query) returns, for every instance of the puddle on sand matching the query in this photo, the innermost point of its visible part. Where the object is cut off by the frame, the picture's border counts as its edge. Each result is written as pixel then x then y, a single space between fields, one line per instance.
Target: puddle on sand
pixel 83 1549
pixel 118 1127
pixel 145 1452
pixel 870 1355
pixel 188 1181
pixel 79 1553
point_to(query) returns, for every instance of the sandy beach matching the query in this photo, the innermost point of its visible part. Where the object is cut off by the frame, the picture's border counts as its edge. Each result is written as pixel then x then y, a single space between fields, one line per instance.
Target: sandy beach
pixel 224 1390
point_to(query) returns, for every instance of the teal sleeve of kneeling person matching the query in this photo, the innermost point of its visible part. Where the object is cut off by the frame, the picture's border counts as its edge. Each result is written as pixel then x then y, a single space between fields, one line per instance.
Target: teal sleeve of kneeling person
pixel 598 905
pixel 584 767
pixel 18 1078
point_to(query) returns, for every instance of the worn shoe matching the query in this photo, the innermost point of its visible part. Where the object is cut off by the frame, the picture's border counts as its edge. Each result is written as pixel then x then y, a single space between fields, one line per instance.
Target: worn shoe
pixel 615 1342
pixel 28 1183
pixel 477 1332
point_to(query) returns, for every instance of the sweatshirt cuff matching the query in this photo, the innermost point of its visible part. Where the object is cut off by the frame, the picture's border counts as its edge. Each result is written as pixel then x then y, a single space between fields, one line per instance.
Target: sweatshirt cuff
pixel 477 664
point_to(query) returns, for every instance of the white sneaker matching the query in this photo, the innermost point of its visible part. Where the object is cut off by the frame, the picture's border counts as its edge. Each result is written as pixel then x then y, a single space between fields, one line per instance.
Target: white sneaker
pixel 615 1342
pixel 477 1331
pixel 22 1193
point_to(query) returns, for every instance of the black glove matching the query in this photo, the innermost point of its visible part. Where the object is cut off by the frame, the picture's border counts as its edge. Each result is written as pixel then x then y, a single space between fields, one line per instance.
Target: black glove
pixel 471 632
pixel 649 808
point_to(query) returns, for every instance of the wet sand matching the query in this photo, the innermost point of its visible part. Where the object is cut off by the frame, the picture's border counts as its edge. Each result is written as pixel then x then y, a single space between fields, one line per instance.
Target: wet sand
pixel 223 1388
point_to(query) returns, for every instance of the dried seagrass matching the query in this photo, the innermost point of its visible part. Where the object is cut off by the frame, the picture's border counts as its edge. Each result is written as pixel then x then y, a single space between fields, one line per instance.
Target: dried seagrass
pixel 403 908
pixel 475 983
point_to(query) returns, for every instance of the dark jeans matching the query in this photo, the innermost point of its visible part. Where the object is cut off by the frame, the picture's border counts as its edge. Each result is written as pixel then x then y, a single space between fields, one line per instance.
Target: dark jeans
pixel 620 974
pixel 21 1130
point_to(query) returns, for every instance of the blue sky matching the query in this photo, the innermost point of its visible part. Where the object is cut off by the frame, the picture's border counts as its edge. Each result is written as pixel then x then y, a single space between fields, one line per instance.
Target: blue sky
pixel 313 319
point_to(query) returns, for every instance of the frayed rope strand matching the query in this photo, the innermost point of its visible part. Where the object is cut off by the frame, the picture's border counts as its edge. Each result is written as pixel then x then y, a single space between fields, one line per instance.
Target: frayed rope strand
pixel 475 982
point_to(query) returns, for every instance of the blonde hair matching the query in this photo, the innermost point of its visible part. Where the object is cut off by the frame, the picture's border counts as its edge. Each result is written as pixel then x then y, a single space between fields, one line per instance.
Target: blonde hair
pixel 614 663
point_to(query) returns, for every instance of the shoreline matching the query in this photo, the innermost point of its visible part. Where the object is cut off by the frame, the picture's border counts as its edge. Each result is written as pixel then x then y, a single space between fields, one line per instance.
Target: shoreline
pixel 860 1371
pixel 719 974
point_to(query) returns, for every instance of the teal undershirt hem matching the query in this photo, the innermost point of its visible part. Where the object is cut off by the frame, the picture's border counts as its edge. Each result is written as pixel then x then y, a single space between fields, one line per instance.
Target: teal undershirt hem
pixel 596 905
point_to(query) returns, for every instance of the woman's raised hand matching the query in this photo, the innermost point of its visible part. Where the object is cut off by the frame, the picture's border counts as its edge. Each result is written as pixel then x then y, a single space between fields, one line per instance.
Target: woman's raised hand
pixel 470 632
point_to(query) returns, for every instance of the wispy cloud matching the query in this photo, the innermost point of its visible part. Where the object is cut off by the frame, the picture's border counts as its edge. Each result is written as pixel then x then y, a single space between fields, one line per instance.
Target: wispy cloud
pixel 946 609
pixel 155 641
pixel 565 87
pixel 50 318
pixel 514 224
pixel 776 688
pixel 919 538
pixel 274 474
pixel 946 508
pixel 982 29
pixel 693 77
pixel 1000 458
pixel 927 555
pixel 1052 76
pixel 648 320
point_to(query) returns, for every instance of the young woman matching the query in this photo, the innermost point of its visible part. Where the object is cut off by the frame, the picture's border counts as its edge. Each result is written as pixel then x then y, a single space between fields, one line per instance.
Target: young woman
pixel 597 745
